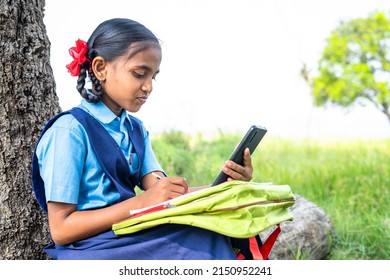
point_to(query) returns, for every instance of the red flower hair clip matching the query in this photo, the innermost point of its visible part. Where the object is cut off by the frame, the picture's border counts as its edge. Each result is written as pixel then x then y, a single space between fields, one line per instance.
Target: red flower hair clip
pixel 79 57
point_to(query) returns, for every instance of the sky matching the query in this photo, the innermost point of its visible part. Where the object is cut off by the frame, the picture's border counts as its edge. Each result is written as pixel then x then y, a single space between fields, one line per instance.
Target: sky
pixel 227 64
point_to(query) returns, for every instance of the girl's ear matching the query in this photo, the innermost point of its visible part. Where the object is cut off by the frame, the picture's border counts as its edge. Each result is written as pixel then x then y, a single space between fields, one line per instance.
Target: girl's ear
pixel 99 68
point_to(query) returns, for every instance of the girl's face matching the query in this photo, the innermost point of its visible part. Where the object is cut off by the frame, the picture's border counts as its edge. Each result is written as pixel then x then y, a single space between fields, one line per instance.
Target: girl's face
pixel 129 79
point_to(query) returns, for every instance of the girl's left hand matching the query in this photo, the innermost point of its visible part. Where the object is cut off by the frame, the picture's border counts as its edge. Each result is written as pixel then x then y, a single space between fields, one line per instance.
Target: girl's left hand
pixel 238 172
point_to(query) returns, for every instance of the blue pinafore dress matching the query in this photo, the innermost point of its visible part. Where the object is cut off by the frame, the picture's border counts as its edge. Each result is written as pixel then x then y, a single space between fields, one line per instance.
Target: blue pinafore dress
pixel 165 242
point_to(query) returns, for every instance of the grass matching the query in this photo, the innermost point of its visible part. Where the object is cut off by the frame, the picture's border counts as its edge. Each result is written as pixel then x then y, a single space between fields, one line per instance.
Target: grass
pixel 349 179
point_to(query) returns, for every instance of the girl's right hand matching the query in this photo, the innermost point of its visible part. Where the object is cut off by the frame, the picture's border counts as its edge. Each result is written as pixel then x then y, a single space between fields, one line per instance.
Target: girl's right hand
pixel 163 189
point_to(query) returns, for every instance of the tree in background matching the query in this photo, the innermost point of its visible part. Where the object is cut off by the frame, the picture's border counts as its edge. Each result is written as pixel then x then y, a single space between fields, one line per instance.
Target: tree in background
pixel 27 101
pixel 355 65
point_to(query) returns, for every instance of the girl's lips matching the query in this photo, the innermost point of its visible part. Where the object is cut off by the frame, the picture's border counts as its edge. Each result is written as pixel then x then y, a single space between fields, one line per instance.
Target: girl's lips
pixel 142 99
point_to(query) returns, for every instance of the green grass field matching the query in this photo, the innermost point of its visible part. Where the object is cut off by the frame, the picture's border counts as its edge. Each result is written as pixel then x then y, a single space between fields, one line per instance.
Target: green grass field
pixel 349 179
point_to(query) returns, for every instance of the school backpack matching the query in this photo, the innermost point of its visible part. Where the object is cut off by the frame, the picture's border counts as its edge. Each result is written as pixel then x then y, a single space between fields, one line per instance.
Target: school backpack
pixel 238 209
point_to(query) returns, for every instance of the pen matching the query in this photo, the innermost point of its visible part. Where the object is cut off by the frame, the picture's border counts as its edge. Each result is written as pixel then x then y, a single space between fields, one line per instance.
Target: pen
pixel 149 210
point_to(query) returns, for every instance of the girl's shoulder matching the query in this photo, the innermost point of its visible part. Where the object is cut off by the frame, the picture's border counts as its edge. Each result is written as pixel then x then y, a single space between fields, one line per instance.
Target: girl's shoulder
pixel 64 129
pixel 67 121
pixel 65 125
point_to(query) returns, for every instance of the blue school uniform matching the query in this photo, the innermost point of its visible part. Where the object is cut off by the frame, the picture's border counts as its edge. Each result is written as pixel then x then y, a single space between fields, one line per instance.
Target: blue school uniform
pixel 90 157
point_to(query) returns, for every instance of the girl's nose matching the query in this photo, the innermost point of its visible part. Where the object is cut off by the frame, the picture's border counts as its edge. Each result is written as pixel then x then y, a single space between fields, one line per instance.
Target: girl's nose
pixel 147 86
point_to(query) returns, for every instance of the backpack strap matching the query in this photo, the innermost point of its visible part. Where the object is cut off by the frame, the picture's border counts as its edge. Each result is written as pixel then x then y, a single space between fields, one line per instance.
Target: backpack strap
pixel 253 248
pixel 266 248
pixel 107 151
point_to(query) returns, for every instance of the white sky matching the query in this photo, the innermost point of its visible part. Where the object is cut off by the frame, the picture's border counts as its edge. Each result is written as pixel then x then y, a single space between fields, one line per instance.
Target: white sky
pixel 227 64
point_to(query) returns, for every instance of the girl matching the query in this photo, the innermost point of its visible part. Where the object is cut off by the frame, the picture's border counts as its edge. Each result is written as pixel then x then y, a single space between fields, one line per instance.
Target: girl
pixel 89 159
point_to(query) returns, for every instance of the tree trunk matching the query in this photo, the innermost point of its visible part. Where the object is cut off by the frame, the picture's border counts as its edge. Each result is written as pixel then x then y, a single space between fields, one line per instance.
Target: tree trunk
pixel 27 101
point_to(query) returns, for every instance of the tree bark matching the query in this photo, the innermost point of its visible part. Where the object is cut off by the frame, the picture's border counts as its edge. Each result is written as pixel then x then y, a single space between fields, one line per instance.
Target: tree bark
pixel 27 101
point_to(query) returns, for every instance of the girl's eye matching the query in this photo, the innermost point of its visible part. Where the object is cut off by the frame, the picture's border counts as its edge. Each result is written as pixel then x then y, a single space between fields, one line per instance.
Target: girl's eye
pixel 139 75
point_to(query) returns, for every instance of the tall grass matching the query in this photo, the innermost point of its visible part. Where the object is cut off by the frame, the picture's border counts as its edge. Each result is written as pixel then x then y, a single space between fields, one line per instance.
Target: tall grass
pixel 350 180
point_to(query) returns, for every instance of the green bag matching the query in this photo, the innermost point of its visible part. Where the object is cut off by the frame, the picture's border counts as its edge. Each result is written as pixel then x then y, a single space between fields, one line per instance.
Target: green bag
pixel 236 209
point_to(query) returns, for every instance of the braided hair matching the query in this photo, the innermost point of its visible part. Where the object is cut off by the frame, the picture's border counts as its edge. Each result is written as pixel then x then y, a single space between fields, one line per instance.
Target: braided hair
pixel 110 40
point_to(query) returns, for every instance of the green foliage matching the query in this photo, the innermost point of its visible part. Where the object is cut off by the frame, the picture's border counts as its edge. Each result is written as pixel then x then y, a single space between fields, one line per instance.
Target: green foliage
pixel 349 180
pixel 355 64
pixel 174 153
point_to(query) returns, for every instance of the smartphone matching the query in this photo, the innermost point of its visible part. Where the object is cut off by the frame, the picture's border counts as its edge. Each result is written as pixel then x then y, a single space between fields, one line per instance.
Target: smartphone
pixel 250 140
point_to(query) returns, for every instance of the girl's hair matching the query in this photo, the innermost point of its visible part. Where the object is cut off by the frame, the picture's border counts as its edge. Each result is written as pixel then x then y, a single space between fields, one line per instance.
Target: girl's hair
pixel 110 40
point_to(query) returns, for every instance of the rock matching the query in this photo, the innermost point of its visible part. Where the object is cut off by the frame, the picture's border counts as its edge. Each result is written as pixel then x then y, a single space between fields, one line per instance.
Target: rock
pixel 307 237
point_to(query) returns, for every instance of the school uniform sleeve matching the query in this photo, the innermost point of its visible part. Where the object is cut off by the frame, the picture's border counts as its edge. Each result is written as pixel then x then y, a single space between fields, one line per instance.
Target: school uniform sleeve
pixel 61 155
pixel 150 163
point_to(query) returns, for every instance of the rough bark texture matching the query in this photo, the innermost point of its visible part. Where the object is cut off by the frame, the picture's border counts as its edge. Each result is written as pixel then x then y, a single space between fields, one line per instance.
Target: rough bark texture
pixel 27 101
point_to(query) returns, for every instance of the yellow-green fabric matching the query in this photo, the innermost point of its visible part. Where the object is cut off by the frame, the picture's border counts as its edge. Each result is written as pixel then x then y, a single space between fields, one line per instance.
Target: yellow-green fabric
pixel 235 209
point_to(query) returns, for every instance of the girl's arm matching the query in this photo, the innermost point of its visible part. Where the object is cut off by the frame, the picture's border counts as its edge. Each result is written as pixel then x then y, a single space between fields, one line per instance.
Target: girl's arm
pixel 68 225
